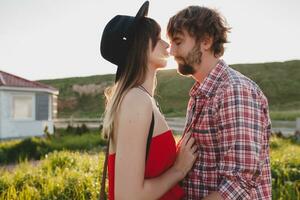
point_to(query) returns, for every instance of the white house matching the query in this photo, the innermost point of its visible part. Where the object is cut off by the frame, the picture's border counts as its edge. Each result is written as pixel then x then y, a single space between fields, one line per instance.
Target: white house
pixel 26 107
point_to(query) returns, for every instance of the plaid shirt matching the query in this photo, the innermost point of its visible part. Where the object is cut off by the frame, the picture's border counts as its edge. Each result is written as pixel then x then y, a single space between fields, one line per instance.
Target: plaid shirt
pixel 229 119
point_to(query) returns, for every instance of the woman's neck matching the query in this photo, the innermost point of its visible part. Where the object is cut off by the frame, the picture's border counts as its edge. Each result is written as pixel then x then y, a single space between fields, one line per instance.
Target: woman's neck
pixel 150 81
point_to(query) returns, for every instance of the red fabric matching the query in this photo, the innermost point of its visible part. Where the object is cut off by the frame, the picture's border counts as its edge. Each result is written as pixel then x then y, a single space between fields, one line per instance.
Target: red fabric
pixel 162 155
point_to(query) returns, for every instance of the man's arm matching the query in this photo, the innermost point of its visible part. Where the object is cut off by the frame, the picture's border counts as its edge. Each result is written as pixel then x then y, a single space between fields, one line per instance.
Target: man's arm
pixel 241 128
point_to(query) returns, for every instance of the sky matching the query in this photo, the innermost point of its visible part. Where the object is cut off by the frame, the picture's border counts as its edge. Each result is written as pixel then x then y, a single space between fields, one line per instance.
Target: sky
pixel 47 39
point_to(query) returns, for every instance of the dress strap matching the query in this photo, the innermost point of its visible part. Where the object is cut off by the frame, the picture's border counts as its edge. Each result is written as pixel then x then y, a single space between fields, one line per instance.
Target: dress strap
pixel 150 134
pixel 156 102
pixel 144 89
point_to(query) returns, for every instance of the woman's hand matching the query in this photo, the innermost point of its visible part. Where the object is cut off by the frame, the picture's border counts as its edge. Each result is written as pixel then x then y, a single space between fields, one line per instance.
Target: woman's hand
pixel 186 154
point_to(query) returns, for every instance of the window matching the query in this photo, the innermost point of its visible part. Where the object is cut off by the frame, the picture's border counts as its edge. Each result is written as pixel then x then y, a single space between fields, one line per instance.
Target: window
pixel 22 107
pixel 42 106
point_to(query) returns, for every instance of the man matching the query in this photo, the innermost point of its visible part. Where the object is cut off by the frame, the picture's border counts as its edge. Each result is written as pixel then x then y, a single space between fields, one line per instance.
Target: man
pixel 227 113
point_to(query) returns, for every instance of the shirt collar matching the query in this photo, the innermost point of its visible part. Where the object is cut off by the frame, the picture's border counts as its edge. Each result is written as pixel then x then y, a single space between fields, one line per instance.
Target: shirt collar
pixel 208 86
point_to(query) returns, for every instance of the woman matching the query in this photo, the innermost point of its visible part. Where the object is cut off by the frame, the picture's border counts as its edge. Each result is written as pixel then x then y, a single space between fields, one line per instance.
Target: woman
pixel 136 171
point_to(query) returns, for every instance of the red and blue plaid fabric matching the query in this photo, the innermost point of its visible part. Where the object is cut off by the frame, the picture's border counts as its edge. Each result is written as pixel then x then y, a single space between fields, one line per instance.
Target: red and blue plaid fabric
pixel 229 119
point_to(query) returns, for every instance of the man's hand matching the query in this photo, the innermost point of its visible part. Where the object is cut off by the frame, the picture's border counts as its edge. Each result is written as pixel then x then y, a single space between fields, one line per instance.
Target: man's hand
pixel 213 196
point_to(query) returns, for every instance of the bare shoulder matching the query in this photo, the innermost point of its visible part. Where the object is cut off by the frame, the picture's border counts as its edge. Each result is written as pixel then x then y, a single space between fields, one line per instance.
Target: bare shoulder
pixel 136 97
pixel 136 101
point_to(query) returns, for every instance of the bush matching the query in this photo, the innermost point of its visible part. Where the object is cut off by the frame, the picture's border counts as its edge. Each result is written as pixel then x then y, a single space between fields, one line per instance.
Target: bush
pixel 69 129
pixel 29 148
pixel 61 161
pixel 46 132
pixel 78 130
pixel 285 168
pixel 61 175
pixel 35 147
pixel 84 129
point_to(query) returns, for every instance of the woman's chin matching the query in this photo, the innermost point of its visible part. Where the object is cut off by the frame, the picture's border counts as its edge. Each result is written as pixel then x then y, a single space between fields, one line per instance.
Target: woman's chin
pixel 160 64
pixel 163 65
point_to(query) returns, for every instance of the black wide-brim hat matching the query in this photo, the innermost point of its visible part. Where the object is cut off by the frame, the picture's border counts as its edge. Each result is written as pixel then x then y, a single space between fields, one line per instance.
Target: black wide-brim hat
pixel 117 38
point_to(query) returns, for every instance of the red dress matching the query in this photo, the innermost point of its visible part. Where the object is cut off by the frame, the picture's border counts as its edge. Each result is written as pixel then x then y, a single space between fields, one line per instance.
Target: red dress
pixel 162 155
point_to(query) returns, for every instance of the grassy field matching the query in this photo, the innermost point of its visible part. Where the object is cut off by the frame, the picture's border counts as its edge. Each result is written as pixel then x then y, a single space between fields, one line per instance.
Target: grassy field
pixel 36 148
pixel 75 173
pixel 280 81
pixel 285 166
pixel 60 175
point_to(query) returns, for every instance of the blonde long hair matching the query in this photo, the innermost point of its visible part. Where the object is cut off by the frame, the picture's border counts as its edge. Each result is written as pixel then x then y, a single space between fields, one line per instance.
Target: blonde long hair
pixel 134 73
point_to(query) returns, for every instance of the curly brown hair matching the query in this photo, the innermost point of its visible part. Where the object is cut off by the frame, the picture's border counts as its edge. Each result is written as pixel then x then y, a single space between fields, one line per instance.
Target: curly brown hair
pixel 200 22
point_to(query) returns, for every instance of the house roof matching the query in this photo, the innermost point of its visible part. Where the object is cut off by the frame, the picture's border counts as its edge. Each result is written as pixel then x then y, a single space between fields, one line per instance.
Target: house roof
pixel 10 80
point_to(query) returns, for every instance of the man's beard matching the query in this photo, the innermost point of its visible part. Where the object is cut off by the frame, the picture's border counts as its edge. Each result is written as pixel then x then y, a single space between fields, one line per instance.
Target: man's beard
pixel 193 57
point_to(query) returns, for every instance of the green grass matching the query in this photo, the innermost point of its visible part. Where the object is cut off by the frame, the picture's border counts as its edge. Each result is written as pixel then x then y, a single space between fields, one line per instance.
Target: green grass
pixel 36 147
pixel 285 166
pixel 61 175
pixel 76 174
pixel 280 81
pixel 285 115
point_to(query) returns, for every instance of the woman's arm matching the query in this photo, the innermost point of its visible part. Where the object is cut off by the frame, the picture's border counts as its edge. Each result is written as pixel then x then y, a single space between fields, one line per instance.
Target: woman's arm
pixel 132 131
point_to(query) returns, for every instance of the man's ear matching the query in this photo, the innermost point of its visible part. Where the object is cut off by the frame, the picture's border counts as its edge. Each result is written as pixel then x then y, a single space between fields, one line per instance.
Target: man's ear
pixel 207 43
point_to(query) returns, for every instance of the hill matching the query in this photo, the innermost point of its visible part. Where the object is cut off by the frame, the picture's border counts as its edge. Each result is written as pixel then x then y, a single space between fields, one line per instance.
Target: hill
pixel 280 81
